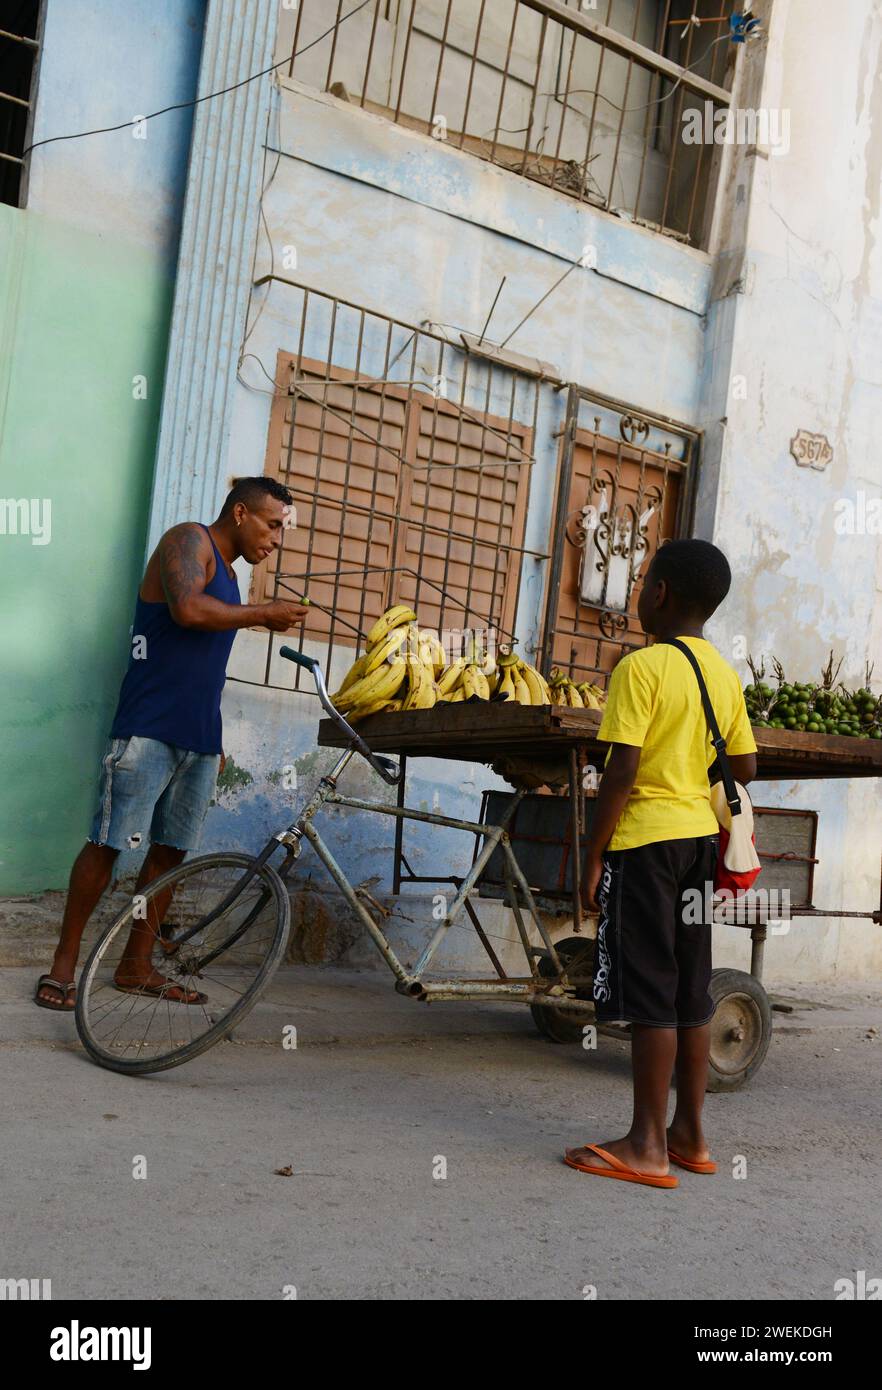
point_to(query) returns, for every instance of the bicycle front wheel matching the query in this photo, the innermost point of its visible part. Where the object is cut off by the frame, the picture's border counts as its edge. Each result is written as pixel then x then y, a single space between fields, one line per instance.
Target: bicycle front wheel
pixel 218 926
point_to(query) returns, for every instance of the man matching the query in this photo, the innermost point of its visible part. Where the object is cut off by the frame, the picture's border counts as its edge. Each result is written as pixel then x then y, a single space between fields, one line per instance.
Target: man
pixel 654 837
pixel 161 763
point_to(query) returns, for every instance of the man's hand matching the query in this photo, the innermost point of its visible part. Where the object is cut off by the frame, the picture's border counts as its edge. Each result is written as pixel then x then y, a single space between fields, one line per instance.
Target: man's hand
pixel 280 614
pixel 591 882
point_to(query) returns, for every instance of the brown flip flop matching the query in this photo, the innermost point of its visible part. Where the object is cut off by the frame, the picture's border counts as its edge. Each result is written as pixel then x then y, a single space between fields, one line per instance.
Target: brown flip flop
pixel 63 989
pixel 690 1165
pixel 163 992
pixel 618 1169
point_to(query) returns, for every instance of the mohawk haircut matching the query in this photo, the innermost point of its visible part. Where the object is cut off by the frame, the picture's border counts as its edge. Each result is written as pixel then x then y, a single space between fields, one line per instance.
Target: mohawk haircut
pixel 251 492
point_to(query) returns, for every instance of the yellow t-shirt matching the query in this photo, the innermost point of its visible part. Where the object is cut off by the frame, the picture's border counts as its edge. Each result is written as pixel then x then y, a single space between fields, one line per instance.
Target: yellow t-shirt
pixel 654 704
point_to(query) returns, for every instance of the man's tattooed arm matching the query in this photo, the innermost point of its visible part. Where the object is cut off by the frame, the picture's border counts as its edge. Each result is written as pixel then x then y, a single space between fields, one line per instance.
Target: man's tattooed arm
pixel 182 557
pixel 184 553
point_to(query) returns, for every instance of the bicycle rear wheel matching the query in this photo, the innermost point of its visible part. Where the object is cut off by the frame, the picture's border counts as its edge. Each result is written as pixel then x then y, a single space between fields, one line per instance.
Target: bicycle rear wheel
pixel 219 926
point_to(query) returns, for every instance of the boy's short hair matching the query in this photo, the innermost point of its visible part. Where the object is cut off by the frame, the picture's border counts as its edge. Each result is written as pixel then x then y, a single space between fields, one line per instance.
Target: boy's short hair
pixel 697 574
pixel 251 491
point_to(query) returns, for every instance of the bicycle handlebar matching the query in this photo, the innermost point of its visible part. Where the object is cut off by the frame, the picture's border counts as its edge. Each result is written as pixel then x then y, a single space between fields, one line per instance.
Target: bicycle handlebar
pixel 387 769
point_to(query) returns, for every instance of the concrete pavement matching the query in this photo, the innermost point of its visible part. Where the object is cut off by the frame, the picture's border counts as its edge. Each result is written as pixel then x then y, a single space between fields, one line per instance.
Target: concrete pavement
pixel 380 1098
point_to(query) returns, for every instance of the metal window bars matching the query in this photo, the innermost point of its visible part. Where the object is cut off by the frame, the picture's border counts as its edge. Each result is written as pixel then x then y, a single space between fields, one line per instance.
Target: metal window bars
pixel 18 54
pixel 592 108
pixel 626 483
pixel 409 459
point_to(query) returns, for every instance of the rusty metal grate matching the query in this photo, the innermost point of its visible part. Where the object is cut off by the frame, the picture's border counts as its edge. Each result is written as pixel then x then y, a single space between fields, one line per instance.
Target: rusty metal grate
pixel 625 485
pixel 19 50
pixel 588 100
pixel 409 458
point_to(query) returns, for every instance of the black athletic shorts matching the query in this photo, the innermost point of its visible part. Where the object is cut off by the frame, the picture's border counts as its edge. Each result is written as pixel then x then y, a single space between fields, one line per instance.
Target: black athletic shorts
pixel 652 957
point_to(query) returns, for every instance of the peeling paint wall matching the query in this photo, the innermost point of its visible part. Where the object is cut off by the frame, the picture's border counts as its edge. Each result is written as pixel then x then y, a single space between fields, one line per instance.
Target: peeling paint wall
pixel 795 341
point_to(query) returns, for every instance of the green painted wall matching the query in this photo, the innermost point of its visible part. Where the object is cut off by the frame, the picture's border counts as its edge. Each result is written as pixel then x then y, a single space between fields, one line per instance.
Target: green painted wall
pixel 80 316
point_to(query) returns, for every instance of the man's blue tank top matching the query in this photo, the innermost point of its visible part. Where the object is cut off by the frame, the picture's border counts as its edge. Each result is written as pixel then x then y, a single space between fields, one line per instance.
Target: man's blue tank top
pixel 173 692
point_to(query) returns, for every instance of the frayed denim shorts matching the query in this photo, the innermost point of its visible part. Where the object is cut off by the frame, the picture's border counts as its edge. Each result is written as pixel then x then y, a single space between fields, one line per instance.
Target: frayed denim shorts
pixel 153 791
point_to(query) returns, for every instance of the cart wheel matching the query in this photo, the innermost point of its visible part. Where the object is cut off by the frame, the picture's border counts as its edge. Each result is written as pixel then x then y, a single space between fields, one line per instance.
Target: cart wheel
pixel 559 1025
pixel 741 1029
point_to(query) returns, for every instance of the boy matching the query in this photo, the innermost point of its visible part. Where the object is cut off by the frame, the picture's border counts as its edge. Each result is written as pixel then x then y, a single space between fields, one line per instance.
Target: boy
pixel 653 837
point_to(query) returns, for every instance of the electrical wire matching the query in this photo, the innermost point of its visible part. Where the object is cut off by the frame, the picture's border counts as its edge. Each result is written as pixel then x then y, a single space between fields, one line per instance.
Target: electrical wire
pixel 196 101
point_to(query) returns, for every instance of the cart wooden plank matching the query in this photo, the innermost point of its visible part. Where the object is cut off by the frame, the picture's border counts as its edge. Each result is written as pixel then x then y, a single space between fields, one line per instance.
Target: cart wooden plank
pixel 480 733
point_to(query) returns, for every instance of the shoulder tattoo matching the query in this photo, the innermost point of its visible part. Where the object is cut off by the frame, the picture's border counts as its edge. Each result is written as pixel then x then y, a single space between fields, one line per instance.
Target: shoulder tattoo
pixel 182 563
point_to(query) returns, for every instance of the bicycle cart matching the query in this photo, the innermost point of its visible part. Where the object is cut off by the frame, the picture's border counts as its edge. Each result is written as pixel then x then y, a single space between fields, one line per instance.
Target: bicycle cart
pixel 218 924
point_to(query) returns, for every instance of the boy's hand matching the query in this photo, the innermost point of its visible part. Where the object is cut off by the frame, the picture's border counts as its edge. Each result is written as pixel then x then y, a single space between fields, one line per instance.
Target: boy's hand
pixel 591 882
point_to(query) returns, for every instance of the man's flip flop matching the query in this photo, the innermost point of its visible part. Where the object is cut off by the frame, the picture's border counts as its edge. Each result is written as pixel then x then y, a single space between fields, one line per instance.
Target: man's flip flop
pixel 690 1165
pixel 63 990
pixel 162 992
pixel 618 1169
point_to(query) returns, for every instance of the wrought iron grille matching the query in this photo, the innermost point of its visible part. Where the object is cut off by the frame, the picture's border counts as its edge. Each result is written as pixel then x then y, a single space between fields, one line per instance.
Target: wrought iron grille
pixel 625 485
pixel 586 99
pixel 409 459
pixel 19 50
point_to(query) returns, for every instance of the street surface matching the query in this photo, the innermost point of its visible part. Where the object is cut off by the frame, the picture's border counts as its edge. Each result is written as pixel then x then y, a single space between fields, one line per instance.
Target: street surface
pixel 380 1094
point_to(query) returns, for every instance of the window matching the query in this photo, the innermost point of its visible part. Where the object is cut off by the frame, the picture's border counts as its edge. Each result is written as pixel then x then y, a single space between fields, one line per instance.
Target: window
pixel 409 460
pixel 586 99
pixel 18 64
pixel 624 487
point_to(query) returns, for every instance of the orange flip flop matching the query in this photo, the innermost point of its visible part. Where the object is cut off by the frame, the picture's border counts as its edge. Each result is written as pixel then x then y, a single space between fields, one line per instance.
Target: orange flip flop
pixel 690 1165
pixel 618 1169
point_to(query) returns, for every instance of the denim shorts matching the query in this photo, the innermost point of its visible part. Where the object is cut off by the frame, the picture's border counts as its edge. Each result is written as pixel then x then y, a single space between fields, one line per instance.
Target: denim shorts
pixel 152 791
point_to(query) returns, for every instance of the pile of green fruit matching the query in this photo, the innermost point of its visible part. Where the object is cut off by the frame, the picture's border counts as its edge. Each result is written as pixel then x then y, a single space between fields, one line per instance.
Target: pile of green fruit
pixel 820 707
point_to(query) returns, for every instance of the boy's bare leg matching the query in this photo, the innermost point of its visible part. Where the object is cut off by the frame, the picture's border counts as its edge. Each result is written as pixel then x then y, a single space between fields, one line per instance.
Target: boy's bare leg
pixel 645 1146
pixel 685 1135
pixel 135 966
pixel 89 877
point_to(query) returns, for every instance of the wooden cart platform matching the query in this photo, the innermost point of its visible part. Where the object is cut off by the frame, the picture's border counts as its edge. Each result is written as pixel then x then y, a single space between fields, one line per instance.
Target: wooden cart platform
pixel 477 733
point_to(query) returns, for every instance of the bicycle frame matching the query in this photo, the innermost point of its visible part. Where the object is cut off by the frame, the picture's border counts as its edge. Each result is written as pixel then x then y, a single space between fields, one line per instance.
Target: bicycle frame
pixel 411 982
pixel 535 988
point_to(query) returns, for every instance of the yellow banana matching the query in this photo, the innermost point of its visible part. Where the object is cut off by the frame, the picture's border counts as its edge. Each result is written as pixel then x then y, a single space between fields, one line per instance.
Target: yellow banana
pixel 384 650
pixel 449 678
pixel 457 695
pixel 506 684
pixel 521 689
pixel 382 684
pixel 474 682
pixel 421 685
pixel 573 697
pixel 436 650
pixel 534 684
pixel 375 707
pixel 393 617
pixel 355 673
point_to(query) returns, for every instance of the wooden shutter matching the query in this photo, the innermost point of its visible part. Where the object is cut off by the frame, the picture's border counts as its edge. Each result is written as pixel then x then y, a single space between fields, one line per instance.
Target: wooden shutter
pixel 411 499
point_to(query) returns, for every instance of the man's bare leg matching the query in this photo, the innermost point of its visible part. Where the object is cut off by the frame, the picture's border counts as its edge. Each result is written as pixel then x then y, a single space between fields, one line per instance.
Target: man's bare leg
pixel 135 967
pixel 685 1135
pixel 89 877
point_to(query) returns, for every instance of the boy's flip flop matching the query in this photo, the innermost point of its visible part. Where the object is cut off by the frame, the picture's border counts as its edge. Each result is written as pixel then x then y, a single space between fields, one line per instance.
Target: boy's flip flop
pixel 618 1169
pixel 690 1165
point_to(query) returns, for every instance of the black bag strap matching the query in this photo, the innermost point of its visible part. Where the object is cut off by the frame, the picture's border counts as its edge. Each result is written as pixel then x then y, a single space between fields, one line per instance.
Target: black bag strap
pixel 733 800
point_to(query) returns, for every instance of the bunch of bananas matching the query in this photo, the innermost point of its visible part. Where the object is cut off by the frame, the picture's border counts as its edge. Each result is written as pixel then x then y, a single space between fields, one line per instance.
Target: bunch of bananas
pixel 581 696
pixel 396 671
pixel 403 668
